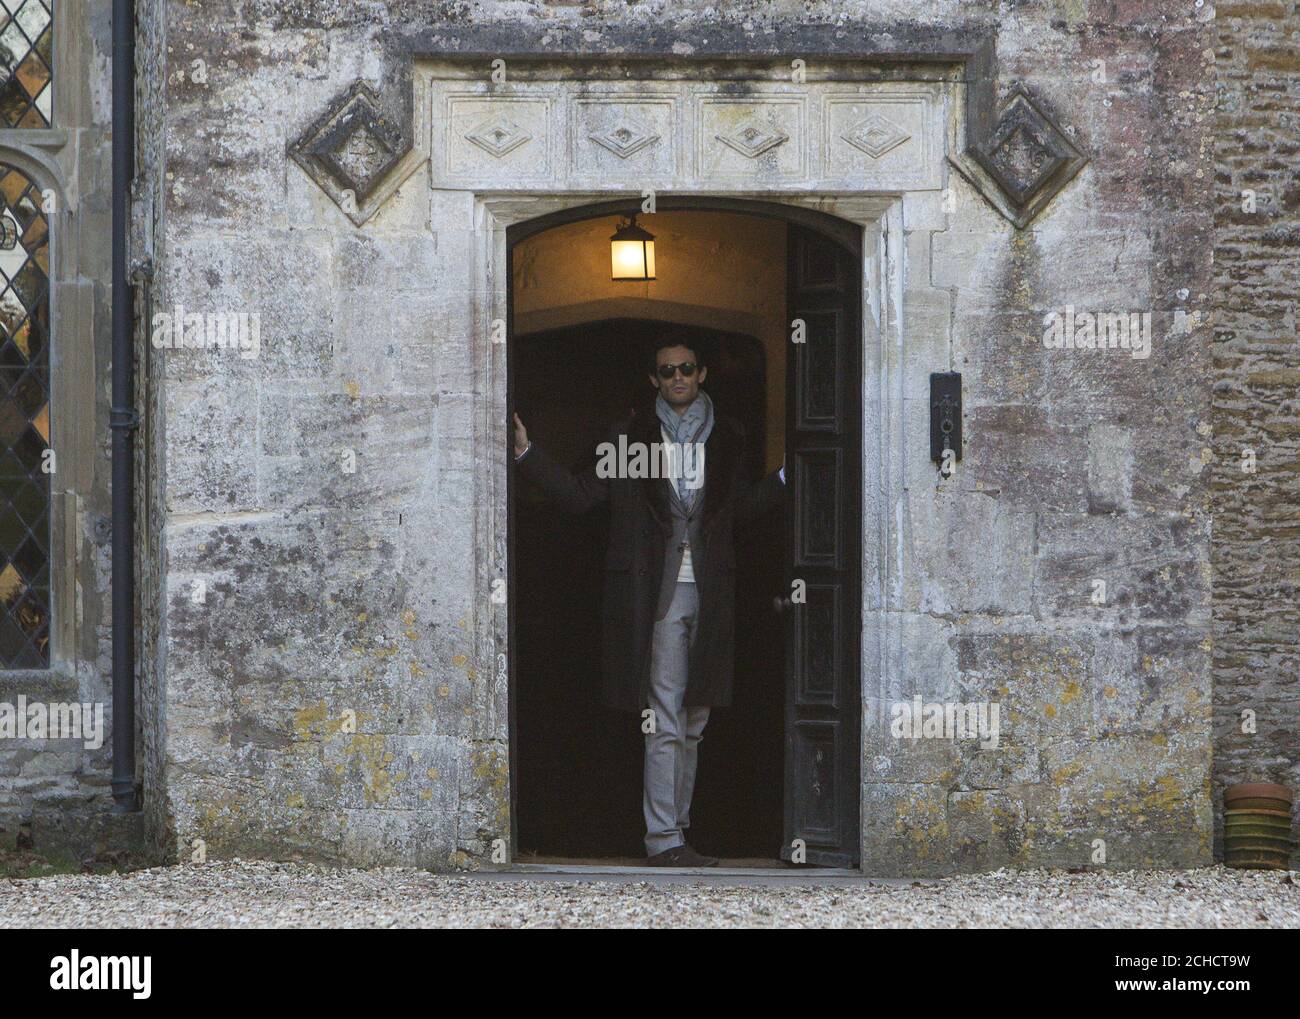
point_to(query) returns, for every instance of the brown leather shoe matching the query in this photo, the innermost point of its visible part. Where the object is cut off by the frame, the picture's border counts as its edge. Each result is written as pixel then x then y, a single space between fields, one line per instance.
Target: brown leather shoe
pixel 681 856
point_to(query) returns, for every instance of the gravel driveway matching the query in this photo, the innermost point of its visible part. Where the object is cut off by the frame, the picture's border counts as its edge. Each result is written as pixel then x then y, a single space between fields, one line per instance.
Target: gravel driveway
pixel 257 894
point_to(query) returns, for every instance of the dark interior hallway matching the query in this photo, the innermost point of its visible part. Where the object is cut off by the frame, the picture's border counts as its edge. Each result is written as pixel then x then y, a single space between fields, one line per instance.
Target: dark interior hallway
pixel 578 763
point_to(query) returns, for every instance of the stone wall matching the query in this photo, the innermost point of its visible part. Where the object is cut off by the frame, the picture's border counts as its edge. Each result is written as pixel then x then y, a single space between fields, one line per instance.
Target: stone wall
pixel 149 207
pixel 1256 429
pixel 1063 571
pixel 276 587
pixel 326 690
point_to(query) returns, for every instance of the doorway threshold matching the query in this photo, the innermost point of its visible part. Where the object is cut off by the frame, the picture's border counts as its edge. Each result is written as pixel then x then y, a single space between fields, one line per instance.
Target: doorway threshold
pixel 728 872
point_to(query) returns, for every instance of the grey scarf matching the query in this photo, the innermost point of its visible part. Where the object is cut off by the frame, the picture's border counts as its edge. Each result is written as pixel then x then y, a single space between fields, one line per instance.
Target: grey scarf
pixel 692 427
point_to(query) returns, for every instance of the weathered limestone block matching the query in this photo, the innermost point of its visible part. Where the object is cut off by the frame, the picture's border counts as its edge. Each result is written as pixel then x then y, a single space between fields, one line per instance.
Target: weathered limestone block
pixel 225 816
pixel 894 759
pixel 484 803
pixel 1002 359
pixel 1110 789
pixel 394 772
pixel 928 326
pixel 968 261
pixel 968 552
pixel 211 276
pixel 905 830
pixel 923 659
pixel 219 431
pixel 1111 385
pixel 926 210
pixel 1151 680
pixel 986 830
pixel 232 96
pixel 267 582
pixel 411 838
pixel 1176 469
pixel 1001 767
pixel 198 731
pixel 326 449
pixel 394 350
pixel 1042 682
pixel 1019 459
pixel 1119 570
pixel 1110 468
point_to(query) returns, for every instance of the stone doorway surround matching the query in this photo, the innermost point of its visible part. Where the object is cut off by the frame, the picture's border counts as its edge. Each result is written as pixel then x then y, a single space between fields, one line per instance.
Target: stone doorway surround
pixel 872 146
pixel 878 219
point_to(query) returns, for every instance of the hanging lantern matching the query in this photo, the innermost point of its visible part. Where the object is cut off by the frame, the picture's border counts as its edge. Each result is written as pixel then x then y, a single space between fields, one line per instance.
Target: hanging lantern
pixel 632 252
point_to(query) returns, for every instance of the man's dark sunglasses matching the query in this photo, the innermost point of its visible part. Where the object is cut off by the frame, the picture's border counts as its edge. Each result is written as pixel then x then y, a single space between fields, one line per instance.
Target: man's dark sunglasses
pixel 667 371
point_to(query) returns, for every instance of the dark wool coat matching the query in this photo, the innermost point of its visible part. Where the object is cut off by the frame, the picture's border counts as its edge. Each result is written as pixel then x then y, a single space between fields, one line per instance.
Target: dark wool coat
pixel 639 527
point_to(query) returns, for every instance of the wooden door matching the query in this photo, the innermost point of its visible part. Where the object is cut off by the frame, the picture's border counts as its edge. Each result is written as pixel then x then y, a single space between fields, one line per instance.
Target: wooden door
pixel 824 521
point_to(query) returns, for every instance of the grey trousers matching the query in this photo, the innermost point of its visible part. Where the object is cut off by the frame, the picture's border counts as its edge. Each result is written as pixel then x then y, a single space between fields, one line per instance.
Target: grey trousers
pixel 670 751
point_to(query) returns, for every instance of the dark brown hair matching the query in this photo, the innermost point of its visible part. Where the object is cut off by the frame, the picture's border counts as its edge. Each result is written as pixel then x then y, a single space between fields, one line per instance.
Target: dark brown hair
pixel 673 338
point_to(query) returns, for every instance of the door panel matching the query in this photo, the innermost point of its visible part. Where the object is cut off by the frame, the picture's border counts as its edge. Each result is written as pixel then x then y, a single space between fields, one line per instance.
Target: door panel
pixel 819 815
pixel 818 505
pixel 817 405
pixel 822 634
pixel 818 625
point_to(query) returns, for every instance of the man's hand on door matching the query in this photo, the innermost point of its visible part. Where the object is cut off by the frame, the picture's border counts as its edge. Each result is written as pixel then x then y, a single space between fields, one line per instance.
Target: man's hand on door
pixel 521 437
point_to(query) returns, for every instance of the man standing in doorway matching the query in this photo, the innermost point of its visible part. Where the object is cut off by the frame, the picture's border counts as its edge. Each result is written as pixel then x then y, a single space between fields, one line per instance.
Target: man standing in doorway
pixel 668 612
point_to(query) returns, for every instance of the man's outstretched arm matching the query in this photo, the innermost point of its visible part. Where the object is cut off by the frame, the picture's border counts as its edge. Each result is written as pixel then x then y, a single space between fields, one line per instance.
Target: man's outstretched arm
pixel 573 493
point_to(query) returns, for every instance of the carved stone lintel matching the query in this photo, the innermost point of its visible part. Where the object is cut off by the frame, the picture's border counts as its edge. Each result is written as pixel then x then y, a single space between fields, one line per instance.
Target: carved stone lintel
pixel 1014 154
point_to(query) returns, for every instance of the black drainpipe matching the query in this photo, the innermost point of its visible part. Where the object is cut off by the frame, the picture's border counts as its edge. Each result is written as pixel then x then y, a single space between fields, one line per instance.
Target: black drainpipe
pixel 122 417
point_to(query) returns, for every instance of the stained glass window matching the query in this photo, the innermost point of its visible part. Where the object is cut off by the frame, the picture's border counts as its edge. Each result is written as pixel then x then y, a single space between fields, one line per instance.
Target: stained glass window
pixel 24 424
pixel 26 62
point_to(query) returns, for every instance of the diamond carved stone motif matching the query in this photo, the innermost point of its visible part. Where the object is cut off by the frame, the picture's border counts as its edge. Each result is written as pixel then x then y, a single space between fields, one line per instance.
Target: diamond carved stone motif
pixel 1027 155
pixel 875 135
pixel 1022 159
pixel 363 156
pixel 498 135
pixel 625 139
pixel 351 147
pixel 752 139
pixel 1018 157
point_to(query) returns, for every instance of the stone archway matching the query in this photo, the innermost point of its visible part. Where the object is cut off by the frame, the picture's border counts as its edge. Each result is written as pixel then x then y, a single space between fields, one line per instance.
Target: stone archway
pixel 862 222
